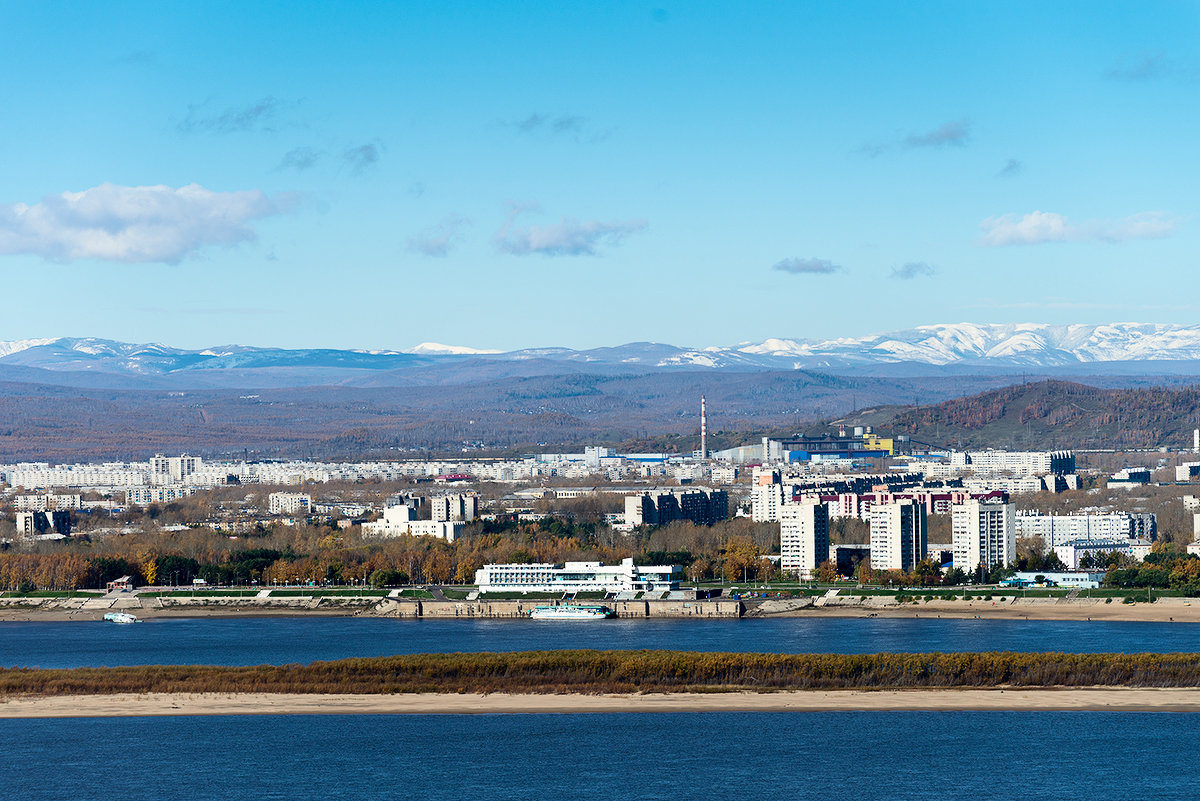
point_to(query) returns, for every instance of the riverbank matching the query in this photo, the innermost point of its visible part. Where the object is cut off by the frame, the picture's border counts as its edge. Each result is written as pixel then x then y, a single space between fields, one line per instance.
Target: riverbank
pixel 1104 699
pixel 1180 610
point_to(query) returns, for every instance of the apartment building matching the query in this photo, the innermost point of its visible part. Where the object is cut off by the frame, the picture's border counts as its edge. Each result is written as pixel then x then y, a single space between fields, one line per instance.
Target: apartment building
pixel 803 537
pixel 462 506
pixel 899 535
pixel 289 503
pixel 984 534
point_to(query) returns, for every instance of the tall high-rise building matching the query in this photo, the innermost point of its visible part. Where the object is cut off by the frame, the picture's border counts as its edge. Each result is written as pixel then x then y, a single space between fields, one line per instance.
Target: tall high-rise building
pixel 173 469
pixel 984 534
pixel 463 507
pixel 803 537
pixel 899 537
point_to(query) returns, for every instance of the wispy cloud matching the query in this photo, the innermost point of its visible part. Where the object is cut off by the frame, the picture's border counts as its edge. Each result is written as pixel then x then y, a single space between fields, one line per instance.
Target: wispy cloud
pixel 807 266
pixel 1139 67
pixel 133 223
pixel 1039 227
pixel 438 240
pixel 568 237
pixel 300 159
pixel 1011 168
pixel 955 133
pixel 950 134
pixel 361 158
pixel 259 116
pixel 912 269
pixel 573 126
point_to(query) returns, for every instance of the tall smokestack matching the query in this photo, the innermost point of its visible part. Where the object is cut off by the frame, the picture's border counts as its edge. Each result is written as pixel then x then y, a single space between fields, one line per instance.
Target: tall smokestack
pixel 703 429
pixel 1196 440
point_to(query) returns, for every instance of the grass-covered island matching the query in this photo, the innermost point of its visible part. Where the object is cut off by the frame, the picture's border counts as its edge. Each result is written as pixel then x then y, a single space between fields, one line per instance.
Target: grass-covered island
pixel 604 672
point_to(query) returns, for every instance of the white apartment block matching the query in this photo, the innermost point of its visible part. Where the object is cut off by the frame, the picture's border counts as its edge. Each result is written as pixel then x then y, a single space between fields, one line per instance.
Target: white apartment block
pixel 44 503
pixel 289 503
pixel 1187 471
pixel 984 534
pixel 1021 463
pixel 899 535
pixel 765 501
pixel 31 476
pixel 172 469
pixel 803 538
pixel 1071 553
pixel 398 521
pixel 142 496
pixel 724 474
pixel 1060 529
pixel 463 507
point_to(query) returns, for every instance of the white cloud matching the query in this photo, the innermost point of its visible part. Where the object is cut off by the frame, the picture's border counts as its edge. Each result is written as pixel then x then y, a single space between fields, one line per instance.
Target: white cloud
pixel 438 240
pixel 568 237
pixel 1043 226
pixel 807 266
pixel 132 223
pixel 913 269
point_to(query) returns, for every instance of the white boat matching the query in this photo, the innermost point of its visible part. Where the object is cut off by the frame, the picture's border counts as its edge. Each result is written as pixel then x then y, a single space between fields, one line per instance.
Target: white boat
pixel 120 617
pixel 571 612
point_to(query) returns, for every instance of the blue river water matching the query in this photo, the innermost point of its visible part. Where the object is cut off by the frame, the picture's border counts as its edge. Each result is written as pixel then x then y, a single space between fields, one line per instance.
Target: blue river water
pixel 897 756
pixel 253 641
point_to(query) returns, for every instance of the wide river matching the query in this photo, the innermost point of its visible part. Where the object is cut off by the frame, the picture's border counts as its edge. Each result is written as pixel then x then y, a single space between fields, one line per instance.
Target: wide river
pixel 890 756
pixel 253 641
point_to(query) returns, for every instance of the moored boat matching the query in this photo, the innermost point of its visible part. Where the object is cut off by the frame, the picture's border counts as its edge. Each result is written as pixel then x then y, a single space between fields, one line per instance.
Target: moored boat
pixel 121 617
pixel 571 612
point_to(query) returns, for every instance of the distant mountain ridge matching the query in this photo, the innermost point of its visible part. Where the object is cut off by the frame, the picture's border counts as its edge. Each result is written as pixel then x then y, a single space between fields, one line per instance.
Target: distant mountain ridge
pixel 962 347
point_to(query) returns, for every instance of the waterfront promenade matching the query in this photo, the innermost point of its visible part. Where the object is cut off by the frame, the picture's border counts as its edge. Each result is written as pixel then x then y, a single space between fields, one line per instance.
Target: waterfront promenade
pixel 1172 609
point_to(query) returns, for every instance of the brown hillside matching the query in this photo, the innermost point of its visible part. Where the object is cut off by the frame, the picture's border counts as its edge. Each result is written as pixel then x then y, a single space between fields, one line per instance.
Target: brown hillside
pixel 1058 414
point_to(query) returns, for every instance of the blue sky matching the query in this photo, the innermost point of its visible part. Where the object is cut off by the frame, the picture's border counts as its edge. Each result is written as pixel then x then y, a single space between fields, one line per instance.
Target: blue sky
pixel 505 175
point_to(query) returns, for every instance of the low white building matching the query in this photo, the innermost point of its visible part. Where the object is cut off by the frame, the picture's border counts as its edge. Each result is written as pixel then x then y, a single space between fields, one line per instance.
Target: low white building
pixel 574 577
pixel 398 521
pixel 1071 553
pixel 1083 580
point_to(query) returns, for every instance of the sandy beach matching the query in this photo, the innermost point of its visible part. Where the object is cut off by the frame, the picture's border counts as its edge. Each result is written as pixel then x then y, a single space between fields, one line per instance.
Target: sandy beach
pixel 1046 700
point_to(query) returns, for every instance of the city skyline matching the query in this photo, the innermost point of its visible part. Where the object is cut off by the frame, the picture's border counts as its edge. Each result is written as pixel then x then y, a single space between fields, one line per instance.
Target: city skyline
pixel 485 175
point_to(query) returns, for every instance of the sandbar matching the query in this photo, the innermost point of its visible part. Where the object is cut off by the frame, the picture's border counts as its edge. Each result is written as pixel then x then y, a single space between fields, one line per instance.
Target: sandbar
pixel 1107 699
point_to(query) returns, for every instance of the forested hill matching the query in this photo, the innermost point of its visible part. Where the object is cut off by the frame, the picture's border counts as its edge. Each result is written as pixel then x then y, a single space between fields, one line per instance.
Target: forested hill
pixel 1057 414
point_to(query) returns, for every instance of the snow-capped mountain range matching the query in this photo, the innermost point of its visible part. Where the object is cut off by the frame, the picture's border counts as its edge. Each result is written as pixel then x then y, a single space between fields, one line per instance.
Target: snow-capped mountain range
pixel 958 347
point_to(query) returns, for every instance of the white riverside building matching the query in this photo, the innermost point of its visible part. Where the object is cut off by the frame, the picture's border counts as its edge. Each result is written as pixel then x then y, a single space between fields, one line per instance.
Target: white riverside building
pixel 899 535
pixel 984 534
pixel 803 537
pixel 578 577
